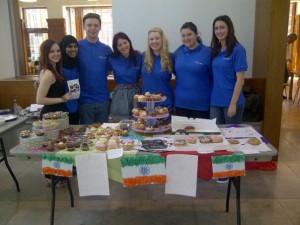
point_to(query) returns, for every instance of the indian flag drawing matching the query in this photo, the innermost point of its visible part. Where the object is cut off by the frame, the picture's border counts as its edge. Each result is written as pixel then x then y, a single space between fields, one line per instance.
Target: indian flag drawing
pixel 57 165
pixel 143 169
pixel 228 166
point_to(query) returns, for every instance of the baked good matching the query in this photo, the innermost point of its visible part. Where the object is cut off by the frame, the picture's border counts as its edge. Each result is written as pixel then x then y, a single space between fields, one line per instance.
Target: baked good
pixel 25 134
pixel 156 97
pixel 149 128
pixel 216 139
pixel 205 139
pixel 127 144
pixel 180 131
pixel 71 148
pixel 147 94
pixel 77 143
pixel 50 146
pixel 90 135
pixel 100 146
pixel 233 141
pixel 142 113
pixel 153 113
pixel 39 132
pixel 141 98
pixel 180 142
pixel 141 126
pixel 93 129
pixel 61 145
pixel 112 144
pixel 135 111
pixel 254 141
pixel 85 146
pixel 30 140
pixel 124 133
pixel 190 129
pixel 191 139
pixel 37 125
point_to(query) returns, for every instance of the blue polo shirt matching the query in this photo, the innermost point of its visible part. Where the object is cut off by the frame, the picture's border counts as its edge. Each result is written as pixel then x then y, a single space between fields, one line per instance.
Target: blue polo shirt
pixel 158 81
pixel 70 74
pixel 124 70
pixel 193 77
pixel 92 67
pixel 224 75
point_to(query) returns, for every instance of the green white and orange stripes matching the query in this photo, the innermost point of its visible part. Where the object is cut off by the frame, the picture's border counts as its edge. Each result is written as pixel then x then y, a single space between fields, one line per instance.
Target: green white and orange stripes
pixel 143 169
pixel 228 166
pixel 57 165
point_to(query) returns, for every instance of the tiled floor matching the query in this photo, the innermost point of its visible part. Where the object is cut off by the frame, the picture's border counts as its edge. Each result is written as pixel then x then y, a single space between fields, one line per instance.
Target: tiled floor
pixel 267 197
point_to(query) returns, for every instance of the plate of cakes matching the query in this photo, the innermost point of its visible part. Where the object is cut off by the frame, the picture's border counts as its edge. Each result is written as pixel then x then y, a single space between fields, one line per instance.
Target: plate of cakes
pixel 199 142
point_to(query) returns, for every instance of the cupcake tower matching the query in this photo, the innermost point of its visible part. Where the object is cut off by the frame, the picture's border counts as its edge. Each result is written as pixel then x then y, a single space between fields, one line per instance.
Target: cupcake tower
pixel 150 118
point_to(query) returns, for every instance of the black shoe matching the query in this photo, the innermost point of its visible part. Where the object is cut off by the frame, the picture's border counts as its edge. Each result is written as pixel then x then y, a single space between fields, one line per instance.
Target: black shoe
pixel 283 97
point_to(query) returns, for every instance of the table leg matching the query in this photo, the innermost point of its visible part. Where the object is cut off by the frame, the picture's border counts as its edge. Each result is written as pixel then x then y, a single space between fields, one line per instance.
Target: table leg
pixel 291 86
pixel 7 164
pixel 70 192
pixel 54 181
pixel 236 181
pixel 53 186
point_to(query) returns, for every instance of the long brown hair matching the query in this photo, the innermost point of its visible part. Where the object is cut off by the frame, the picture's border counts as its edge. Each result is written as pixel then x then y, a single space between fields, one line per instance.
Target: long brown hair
pixel 45 62
pixel 231 40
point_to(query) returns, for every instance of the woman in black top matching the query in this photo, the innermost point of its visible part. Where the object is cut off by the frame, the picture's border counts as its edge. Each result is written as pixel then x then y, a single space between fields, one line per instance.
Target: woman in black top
pixel 51 89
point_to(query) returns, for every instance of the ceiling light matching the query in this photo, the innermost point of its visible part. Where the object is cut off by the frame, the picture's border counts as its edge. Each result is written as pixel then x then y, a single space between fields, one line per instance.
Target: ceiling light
pixel 27 0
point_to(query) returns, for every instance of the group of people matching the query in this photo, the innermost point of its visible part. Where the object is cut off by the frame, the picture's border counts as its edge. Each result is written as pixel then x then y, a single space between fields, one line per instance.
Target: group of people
pixel 208 80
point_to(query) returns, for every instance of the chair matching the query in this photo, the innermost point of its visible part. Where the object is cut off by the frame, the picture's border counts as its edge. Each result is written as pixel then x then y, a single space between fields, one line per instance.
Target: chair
pixel 297 92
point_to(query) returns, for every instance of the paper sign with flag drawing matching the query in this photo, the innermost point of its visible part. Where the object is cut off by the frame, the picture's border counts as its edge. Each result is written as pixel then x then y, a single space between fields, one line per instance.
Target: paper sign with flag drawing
pixel 228 166
pixel 143 169
pixel 57 165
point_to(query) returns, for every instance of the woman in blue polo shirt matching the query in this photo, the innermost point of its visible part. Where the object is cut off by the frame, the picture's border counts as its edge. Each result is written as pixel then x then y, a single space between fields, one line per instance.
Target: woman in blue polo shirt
pixel 192 63
pixel 157 67
pixel 229 65
pixel 69 51
pixel 125 63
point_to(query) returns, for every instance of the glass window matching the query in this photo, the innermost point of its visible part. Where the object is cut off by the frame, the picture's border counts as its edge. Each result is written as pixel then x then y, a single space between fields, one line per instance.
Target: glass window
pixel 36 31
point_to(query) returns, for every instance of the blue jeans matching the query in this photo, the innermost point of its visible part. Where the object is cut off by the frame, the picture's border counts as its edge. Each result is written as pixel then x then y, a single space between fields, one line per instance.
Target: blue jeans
pixel 221 114
pixel 94 112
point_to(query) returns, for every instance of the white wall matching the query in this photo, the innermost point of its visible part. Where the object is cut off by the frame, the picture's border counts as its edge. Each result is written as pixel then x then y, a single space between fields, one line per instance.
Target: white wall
pixel 6 50
pixel 136 17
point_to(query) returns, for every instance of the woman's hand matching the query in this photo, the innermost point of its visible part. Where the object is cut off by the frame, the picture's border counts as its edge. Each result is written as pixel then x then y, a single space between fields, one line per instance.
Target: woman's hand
pixel 36 84
pixel 231 110
pixel 66 97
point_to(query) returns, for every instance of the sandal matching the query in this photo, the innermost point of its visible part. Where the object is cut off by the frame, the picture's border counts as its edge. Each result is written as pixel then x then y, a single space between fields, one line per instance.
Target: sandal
pixel 61 183
pixel 48 182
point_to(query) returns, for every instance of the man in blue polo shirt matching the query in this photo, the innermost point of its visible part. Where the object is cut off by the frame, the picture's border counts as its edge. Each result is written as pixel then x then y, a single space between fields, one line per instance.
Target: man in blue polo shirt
pixel 92 65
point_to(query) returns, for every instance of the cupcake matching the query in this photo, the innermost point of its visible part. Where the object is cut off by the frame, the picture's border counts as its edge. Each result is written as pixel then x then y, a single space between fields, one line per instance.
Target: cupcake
pixel 85 146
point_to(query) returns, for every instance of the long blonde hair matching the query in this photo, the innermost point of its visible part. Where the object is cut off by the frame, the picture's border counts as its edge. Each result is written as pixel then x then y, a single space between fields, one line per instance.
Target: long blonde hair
pixel 166 62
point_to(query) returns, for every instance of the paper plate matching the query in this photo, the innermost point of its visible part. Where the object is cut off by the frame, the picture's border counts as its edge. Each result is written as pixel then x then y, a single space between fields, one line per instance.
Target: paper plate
pixel 4 111
pixel 10 117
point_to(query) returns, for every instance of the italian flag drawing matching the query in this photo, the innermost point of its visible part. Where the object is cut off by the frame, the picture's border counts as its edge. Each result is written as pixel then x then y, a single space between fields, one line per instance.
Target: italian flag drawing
pixel 143 169
pixel 228 166
pixel 57 165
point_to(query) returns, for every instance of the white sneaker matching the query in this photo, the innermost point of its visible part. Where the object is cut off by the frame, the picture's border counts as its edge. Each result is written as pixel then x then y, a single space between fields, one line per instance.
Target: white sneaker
pixel 222 180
